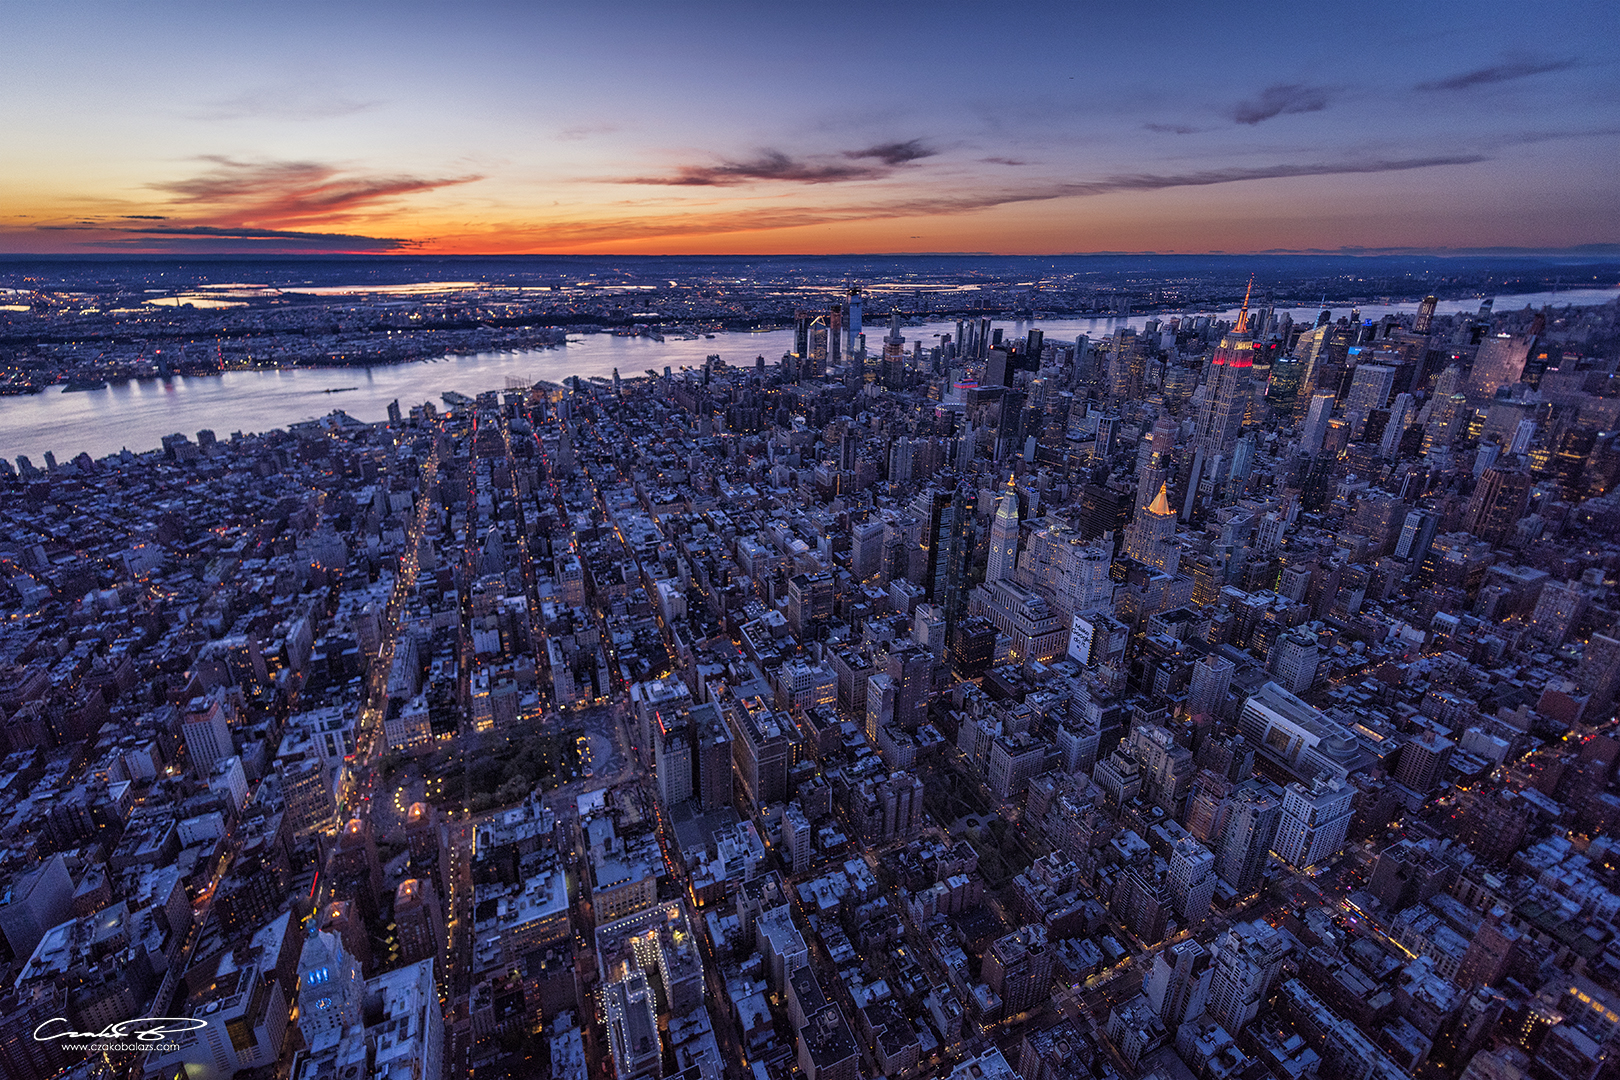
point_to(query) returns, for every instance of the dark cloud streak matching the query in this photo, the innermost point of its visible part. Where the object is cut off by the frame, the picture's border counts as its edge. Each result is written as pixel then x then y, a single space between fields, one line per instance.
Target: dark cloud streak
pixel 774 165
pixel 1497 73
pixel 1206 177
pixel 895 153
pixel 300 240
pixel 1279 100
pixel 222 238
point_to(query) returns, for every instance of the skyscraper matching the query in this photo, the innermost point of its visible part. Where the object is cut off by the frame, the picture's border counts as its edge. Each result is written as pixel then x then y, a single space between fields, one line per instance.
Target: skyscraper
pixel 1019 968
pixel 1425 315
pixel 1523 436
pixel 1178 984
pixel 1599 670
pixel 672 759
pixel 1317 416
pixel 1212 678
pixel 1192 880
pixel 950 546
pixel 894 355
pixel 1314 821
pixel 1423 761
pixel 835 332
pixel 1227 389
pixel 866 548
pixel 714 776
pixel 801 333
pixel 1293 660
pixel 207 731
pixel 418 923
pixel 1251 825
pixel 911 674
pixel 1490 952
pixel 1151 536
pixel 1416 535
pixel 1004 536
pixel 1558 610
pixel 998 370
pixel 1247 959
pixel 1498 503
pixel 1369 388
pixel 852 326
pixel 1499 362
pixel 1034 342
pixel 1400 414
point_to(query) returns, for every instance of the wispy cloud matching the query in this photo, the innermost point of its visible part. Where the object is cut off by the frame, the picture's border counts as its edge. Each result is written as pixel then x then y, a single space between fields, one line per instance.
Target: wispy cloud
pixel 586 131
pixel 1497 73
pixel 281 103
pixel 1205 177
pixel 1175 129
pixel 756 219
pixel 272 193
pixel 1003 161
pixel 98 234
pixel 893 153
pixel 774 165
pixel 1280 99
pixel 272 239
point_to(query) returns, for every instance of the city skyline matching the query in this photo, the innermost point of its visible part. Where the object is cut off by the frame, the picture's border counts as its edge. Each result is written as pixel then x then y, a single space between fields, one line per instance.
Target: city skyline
pixel 1189 682
pixel 637 129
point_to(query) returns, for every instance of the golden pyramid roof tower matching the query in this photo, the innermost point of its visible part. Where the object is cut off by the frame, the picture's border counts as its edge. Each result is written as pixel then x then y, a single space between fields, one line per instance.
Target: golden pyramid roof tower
pixel 1161 502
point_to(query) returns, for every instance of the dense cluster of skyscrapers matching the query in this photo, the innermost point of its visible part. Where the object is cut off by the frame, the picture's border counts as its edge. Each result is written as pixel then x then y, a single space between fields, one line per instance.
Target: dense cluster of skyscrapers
pixel 1225 698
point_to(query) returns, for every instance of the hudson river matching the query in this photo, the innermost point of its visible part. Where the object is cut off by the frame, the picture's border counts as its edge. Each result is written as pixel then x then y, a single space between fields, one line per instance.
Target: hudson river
pixel 137 414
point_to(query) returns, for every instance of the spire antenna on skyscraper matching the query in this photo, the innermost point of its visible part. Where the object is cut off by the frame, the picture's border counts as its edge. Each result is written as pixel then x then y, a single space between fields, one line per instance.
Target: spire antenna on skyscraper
pixel 1243 315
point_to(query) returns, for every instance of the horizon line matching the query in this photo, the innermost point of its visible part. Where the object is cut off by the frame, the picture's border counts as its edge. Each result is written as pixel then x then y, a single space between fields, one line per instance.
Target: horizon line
pixel 1601 249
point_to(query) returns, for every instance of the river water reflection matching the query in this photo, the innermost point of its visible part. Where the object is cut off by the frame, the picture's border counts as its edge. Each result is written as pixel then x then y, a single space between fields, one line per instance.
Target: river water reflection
pixel 136 415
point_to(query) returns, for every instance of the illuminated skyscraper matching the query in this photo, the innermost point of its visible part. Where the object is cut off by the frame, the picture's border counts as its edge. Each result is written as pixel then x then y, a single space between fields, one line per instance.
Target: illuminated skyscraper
pixel 801 333
pixel 1370 385
pixel 1151 536
pixel 835 332
pixel 1425 315
pixel 1227 389
pixel 852 327
pixel 1004 536
pixel 894 355
pixel 1500 362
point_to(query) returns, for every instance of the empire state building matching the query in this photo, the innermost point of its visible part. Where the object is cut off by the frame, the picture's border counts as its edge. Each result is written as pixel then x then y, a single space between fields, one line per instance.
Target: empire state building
pixel 1227 390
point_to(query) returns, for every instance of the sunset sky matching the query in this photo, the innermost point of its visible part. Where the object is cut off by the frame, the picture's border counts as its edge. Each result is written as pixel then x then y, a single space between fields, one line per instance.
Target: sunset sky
pixel 797 128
